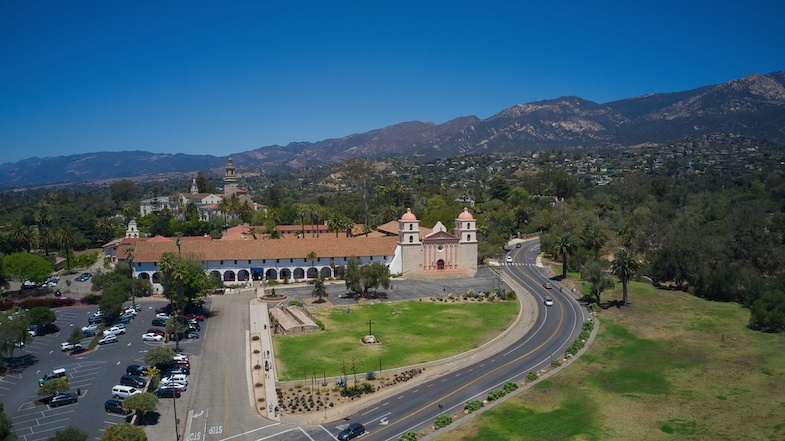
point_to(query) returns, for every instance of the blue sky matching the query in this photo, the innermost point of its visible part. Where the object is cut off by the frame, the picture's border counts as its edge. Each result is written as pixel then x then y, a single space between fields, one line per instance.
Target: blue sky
pixel 225 77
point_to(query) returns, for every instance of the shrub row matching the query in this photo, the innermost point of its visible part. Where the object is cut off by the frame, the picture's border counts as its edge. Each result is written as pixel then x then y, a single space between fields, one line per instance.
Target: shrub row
pixel 49 302
pixel 580 342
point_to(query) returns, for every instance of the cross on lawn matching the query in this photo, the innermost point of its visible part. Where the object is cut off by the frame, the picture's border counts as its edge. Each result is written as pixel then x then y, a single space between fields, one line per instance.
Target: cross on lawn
pixel 369 327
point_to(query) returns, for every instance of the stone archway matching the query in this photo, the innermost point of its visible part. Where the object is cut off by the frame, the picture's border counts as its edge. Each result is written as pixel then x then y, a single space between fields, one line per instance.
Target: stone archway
pixel 286 274
pixel 326 272
pixel 312 273
pixel 156 278
pixel 243 275
pixel 299 273
pixel 229 276
pixel 215 274
pixel 271 274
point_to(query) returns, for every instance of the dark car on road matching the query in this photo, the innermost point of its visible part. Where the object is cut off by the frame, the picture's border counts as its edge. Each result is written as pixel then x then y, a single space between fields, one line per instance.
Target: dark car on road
pixel 115 406
pixel 351 432
pixel 60 399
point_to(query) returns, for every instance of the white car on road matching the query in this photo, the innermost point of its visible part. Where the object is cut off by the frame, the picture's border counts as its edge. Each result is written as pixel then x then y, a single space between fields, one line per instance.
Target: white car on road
pixel 115 330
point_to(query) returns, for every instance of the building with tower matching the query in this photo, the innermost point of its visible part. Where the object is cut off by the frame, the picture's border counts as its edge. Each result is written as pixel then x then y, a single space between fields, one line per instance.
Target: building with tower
pixel 242 259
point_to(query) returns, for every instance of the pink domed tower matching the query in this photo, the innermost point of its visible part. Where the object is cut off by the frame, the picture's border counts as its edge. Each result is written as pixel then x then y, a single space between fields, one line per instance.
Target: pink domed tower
pixel 466 230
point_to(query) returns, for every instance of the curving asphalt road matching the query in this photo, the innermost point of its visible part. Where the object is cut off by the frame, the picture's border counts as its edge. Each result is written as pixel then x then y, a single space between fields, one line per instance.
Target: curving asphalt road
pixel 217 407
pixel 554 329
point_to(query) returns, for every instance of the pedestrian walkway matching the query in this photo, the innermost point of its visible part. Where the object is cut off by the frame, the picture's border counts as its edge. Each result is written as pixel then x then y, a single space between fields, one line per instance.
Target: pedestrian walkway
pixel 260 325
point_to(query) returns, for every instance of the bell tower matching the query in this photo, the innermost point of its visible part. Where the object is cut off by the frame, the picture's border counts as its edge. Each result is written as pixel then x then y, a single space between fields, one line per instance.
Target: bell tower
pixel 230 179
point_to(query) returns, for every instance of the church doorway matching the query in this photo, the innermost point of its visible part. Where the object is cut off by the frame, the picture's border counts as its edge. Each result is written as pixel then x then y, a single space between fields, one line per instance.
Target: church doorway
pixel 440 264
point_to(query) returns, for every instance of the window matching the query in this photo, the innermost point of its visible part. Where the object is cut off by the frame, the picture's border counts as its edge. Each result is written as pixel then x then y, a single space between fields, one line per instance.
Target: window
pixel 469 237
pixel 235 262
pixel 318 259
pixel 411 226
pixel 292 260
pixel 222 262
pixel 371 257
pixel 277 260
pixel 249 262
pixel 264 260
pixel 411 239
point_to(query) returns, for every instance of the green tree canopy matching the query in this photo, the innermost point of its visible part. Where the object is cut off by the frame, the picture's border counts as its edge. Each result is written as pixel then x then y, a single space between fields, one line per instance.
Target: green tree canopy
pixel 159 355
pixel 40 315
pixel 124 432
pixel 6 428
pixel 69 434
pixel 769 311
pixel 13 329
pixel 141 403
pixel 21 266
pixel 53 387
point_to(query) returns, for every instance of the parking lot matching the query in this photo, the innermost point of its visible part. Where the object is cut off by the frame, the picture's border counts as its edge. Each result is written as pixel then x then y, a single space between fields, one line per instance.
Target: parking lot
pixel 92 374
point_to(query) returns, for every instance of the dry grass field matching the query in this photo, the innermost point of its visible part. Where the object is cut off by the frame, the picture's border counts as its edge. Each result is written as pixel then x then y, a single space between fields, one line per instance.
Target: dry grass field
pixel 658 370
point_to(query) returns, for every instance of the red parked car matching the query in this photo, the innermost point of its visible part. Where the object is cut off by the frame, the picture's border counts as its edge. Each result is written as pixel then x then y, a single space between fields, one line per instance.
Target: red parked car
pixel 157 331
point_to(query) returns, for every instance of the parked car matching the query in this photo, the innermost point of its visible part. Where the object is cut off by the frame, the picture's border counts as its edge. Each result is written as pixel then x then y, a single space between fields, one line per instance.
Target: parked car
pixel 122 392
pixel 111 338
pixel 136 369
pixel 123 320
pixel 133 380
pixel 160 332
pixel 115 406
pixel 191 334
pixel 151 337
pixel 83 277
pixel 173 385
pixel 198 317
pixel 66 346
pixel 166 309
pixel 351 432
pixel 548 301
pixel 168 392
pixel 64 398
pixel 163 315
pixel 115 330
pixel 57 373
pixel 159 322
pixel 91 327
pixel 94 320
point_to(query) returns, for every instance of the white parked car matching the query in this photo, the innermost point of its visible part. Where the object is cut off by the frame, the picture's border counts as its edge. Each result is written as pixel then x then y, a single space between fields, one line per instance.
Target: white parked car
pixel 114 330
pixel 163 315
pixel 65 346
pixel 151 337
pixel 130 311
pixel 179 385
pixel 93 328
pixel 108 339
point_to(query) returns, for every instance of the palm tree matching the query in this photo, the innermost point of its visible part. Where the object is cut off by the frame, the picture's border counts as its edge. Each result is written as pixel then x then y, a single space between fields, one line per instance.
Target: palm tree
pixel 628 234
pixel 66 240
pixel 594 238
pixel 312 257
pixel 45 239
pixel 624 266
pixel 22 236
pixel 334 222
pixel 563 247
pixel 106 227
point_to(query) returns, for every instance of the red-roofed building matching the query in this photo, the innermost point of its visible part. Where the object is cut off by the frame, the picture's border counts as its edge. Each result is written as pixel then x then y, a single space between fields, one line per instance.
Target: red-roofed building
pixel 241 258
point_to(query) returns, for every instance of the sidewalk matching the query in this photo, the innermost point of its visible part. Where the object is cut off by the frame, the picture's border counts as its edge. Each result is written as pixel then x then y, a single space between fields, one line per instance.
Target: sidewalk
pixel 260 326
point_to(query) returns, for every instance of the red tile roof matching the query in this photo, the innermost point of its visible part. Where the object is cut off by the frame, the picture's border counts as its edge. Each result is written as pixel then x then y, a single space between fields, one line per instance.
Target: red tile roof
pixel 324 247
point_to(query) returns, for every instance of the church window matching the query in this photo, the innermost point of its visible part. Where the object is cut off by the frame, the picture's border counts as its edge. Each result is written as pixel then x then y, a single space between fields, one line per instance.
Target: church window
pixel 291 260
pixel 222 262
pixel 411 227
pixel 249 262
pixel 468 237
pixel 411 239
pixel 235 262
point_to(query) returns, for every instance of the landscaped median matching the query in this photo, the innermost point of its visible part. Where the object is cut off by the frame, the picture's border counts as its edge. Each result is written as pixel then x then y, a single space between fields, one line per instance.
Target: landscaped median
pixel 328 368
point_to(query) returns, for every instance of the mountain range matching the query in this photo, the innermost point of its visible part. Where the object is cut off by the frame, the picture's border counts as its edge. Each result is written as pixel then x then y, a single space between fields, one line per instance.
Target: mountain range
pixel 751 106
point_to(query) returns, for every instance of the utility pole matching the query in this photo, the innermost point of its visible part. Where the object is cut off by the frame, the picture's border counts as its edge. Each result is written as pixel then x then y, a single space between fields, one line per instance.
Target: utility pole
pixel 131 264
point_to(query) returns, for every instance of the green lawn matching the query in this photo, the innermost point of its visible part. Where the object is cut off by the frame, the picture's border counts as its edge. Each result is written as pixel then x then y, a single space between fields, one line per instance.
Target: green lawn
pixel 422 331
pixel 659 370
